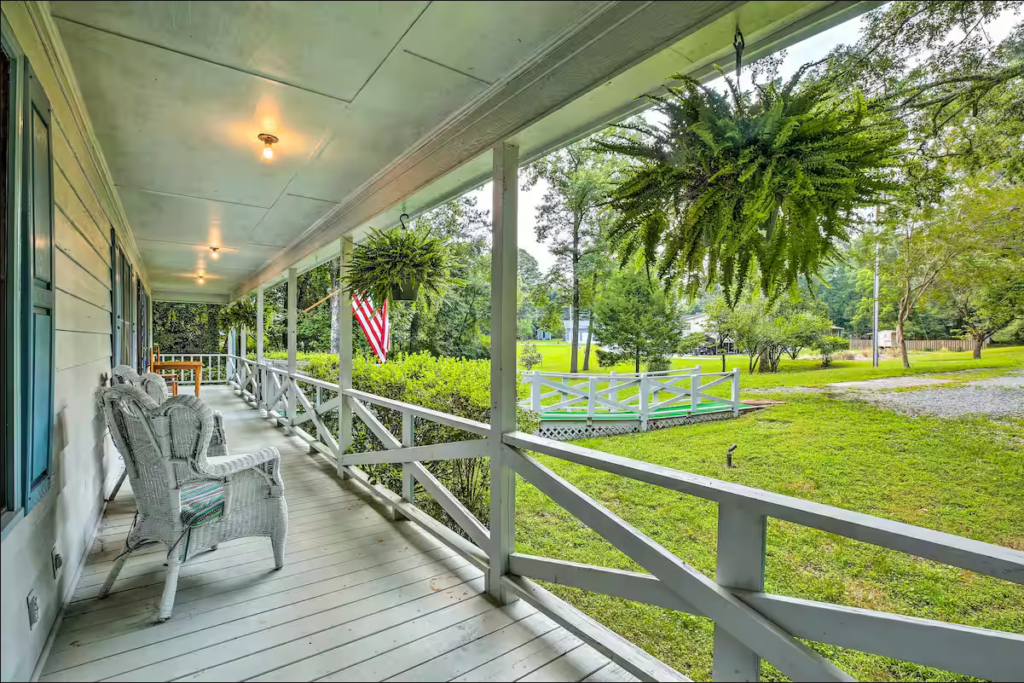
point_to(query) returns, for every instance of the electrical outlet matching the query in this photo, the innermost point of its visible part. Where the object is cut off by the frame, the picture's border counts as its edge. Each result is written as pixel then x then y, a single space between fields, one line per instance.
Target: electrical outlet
pixel 56 562
pixel 33 609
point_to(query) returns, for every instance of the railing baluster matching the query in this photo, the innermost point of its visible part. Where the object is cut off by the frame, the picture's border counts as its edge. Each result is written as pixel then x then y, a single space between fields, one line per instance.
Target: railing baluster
pixel 734 394
pixel 408 440
pixel 741 556
pixel 694 391
pixel 643 402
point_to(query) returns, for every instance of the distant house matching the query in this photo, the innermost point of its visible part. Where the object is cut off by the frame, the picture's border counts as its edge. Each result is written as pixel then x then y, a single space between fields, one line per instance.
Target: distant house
pixel 692 324
pixel 584 328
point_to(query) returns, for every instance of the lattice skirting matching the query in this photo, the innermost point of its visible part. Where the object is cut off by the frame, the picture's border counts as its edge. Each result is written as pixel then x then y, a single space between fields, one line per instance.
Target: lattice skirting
pixel 562 430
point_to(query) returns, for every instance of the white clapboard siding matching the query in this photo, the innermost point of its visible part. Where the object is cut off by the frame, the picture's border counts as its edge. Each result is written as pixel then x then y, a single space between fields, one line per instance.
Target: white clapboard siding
pixel 76 247
pixel 76 315
pixel 68 163
pixel 79 348
pixel 67 199
pixel 74 279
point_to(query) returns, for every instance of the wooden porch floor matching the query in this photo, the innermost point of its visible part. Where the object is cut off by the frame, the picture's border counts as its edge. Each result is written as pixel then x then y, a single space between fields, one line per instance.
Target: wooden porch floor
pixel 360 598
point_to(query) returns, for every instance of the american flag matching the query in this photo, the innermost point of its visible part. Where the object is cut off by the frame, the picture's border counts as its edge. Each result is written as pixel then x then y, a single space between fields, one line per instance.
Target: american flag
pixel 374 324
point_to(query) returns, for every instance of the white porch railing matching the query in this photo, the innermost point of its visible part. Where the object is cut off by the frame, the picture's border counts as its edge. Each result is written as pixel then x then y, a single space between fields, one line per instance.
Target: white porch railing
pixel 636 396
pixel 749 623
pixel 216 368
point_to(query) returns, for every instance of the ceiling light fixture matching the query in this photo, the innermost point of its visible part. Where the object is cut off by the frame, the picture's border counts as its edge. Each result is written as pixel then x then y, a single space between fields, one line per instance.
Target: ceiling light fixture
pixel 268 140
pixel 200 279
pixel 215 253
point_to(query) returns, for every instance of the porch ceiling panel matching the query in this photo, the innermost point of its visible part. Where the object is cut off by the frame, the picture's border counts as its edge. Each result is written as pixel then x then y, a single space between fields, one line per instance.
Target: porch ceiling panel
pixel 328 47
pixel 373 102
pixel 190 220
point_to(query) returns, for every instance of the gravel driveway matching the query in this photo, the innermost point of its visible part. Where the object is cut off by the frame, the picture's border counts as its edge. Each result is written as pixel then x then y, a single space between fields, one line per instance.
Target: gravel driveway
pixel 1002 395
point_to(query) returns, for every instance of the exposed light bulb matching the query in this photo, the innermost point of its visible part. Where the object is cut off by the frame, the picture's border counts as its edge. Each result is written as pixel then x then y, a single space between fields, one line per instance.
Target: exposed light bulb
pixel 215 253
pixel 200 279
pixel 268 140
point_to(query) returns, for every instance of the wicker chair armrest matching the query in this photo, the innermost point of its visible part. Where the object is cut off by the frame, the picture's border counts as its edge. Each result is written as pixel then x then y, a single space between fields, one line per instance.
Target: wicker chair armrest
pixel 265 459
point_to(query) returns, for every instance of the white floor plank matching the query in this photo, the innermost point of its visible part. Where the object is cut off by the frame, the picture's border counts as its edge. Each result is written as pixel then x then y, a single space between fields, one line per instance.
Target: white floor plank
pixel 525 659
pixel 446 666
pixel 574 665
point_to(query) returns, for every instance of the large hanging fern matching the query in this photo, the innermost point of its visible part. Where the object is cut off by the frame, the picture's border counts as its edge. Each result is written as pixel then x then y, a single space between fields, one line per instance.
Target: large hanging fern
pixel 396 258
pixel 732 185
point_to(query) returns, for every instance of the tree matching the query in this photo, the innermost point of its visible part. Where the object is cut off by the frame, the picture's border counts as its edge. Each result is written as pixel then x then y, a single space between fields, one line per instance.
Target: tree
pixel 803 329
pixel 186 328
pixel 986 291
pixel 979 217
pixel 571 213
pixel 529 355
pixel 641 321
pixel 717 326
pixel 829 345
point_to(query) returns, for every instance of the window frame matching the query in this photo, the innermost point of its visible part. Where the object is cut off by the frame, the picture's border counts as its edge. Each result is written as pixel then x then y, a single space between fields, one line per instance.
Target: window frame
pixel 13 504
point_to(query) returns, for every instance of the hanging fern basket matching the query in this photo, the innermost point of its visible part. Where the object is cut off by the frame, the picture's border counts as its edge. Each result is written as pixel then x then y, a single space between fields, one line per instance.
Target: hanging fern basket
pixel 400 265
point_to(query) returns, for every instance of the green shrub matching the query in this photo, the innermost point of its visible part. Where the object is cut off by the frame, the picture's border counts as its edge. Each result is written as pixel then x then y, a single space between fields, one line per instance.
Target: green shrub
pixel 827 346
pixel 530 356
pixel 450 385
pixel 609 359
pixel 659 364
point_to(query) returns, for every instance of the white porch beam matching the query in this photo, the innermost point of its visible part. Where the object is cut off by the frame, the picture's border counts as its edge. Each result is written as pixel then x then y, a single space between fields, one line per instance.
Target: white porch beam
pixel 344 357
pixel 504 259
pixel 293 313
pixel 259 347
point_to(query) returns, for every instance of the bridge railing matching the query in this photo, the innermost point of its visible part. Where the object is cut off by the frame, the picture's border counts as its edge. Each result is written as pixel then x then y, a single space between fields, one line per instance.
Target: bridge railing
pixel 636 396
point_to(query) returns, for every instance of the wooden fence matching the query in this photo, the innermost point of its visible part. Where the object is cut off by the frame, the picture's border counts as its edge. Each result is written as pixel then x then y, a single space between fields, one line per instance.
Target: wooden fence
pixel 922 344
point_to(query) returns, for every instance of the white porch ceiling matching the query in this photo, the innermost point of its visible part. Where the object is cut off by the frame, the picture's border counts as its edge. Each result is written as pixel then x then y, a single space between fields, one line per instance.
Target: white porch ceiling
pixel 178 91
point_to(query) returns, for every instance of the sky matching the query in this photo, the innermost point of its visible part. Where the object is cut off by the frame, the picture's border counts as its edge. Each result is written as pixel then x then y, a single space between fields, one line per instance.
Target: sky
pixel 809 50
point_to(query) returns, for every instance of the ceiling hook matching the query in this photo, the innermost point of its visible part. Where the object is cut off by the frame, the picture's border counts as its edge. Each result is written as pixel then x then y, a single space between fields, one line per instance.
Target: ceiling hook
pixel 401 219
pixel 738 43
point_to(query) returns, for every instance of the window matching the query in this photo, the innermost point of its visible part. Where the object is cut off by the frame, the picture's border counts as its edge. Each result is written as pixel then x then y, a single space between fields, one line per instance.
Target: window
pixel 7 503
pixel 27 362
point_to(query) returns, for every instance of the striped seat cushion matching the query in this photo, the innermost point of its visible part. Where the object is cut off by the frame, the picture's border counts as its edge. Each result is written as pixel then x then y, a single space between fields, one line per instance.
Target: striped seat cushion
pixel 201 502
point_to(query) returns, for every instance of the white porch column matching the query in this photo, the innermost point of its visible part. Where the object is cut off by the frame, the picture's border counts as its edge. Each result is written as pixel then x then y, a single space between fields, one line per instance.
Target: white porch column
pixel 293 314
pixel 504 258
pixel 344 355
pixel 260 379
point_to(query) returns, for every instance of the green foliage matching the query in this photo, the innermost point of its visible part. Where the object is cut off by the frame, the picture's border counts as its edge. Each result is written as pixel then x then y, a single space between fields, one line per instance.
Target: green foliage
pixel 186 328
pixel 691 342
pixel 608 358
pixel 529 355
pixel 639 321
pixel 659 364
pixel 455 386
pixel 730 185
pixel 395 259
pixel 826 346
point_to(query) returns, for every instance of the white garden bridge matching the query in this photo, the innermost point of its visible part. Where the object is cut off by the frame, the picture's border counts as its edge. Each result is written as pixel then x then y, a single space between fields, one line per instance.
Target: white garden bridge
pixel 573 405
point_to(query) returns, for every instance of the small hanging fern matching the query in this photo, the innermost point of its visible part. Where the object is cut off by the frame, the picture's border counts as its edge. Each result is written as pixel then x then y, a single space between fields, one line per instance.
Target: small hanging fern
pixel 396 258
pixel 732 184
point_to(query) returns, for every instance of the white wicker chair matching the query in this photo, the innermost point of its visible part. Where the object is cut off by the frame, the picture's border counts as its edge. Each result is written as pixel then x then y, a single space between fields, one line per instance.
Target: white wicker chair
pixel 155 387
pixel 186 502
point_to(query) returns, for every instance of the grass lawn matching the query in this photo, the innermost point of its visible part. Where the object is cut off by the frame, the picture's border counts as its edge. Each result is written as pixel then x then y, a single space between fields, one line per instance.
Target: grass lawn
pixel 963 476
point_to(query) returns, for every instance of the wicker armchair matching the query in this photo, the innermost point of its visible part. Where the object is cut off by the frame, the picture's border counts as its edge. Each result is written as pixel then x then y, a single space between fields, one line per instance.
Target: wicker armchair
pixel 155 387
pixel 186 502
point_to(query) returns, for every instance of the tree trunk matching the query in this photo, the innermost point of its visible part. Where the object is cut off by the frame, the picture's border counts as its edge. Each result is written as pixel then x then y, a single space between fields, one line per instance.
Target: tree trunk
pixel 901 319
pixel 574 361
pixel 590 324
pixel 590 339
pixel 723 361
pixel 979 342
pixel 637 360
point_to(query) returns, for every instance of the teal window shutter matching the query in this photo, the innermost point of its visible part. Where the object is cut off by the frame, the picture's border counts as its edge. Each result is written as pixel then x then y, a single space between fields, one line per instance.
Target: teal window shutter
pixel 39 302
